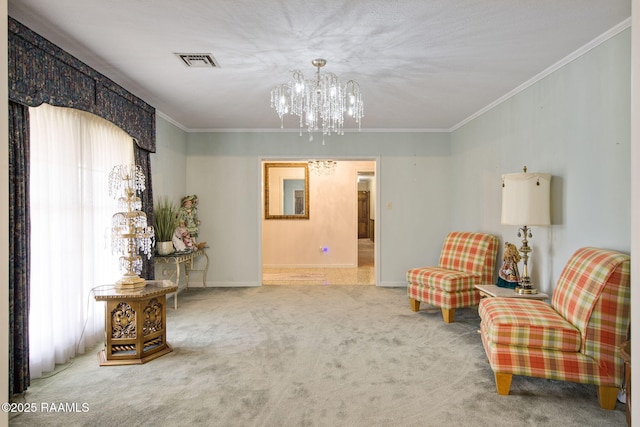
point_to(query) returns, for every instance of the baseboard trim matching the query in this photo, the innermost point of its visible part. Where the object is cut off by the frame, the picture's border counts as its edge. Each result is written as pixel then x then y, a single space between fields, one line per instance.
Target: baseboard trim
pixel 224 285
pixel 310 266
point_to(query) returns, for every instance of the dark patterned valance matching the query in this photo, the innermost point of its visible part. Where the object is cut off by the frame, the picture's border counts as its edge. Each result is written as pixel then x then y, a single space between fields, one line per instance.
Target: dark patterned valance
pixel 40 71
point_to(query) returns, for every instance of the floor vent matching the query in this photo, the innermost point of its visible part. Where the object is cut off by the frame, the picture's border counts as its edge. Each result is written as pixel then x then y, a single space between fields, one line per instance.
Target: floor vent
pixel 200 60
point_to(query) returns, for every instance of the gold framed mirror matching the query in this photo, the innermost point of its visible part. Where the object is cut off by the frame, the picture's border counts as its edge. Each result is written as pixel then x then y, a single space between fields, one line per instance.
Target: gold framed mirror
pixel 286 191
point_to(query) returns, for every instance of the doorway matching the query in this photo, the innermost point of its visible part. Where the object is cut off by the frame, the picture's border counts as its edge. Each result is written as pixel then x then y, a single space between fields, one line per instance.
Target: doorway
pixel 366 219
pixel 335 246
pixel 363 214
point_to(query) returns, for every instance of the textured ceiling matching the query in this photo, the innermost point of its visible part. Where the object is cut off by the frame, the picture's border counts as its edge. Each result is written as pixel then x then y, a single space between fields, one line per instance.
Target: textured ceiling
pixel 421 64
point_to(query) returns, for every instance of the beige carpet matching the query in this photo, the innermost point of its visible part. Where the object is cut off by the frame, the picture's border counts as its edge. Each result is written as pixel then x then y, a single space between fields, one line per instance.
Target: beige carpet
pixel 311 356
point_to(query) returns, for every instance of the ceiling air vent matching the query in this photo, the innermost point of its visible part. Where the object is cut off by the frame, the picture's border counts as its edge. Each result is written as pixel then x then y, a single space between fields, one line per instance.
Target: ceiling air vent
pixel 199 60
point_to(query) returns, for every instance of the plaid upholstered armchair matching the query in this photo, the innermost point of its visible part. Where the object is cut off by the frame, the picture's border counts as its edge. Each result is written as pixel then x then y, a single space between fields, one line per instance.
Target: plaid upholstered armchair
pixel 576 338
pixel 467 259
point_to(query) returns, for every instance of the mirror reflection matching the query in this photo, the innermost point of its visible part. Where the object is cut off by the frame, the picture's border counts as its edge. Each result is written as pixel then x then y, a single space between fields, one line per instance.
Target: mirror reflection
pixel 286 191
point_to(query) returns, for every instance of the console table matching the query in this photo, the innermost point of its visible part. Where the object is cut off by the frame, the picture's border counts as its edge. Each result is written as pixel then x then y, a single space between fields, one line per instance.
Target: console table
pixel 186 258
pixel 135 323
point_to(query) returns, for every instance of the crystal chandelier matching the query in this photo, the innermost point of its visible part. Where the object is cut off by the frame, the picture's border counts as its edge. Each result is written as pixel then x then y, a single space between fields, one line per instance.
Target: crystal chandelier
pixel 318 103
pixel 130 234
pixel 322 167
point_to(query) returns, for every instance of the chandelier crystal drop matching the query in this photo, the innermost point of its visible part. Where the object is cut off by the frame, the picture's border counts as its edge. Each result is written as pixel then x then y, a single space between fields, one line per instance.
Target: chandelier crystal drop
pixel 322 167
pixel 319 103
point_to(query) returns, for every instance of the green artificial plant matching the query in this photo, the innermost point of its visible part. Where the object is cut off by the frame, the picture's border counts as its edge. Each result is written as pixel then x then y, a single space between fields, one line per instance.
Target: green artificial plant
pixel 165 215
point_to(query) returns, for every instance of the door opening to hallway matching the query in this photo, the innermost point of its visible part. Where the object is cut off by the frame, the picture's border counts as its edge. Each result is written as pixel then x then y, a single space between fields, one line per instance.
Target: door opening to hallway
pixel 335 246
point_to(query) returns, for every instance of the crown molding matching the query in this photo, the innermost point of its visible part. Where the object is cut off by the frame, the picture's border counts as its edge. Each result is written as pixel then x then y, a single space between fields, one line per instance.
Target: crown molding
pixel 172 121
pixel 553 68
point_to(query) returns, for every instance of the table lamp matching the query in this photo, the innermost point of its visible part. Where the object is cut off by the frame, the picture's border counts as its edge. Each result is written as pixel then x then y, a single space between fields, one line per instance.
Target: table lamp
pixel 526 202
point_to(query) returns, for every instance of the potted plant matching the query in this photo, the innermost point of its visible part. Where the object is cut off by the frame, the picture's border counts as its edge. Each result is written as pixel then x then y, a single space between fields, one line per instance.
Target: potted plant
pixel 165 222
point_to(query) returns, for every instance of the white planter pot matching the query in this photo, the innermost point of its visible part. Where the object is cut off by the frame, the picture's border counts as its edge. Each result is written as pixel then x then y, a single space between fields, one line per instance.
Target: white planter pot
pixel 164 248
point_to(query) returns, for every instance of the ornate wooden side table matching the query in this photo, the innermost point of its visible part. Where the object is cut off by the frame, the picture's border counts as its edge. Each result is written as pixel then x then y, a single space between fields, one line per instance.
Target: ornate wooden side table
pixel 186 258
pixel 135 323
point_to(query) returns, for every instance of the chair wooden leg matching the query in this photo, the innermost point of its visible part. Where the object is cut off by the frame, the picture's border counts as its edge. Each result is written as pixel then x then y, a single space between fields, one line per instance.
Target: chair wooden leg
pixel 503 383
pixel 448 314
pixel 415 304
pixel 607 397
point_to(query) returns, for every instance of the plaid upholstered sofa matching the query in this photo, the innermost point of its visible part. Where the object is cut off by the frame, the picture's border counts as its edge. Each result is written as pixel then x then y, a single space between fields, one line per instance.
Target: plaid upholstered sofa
pixel 576 338
pixel 466 259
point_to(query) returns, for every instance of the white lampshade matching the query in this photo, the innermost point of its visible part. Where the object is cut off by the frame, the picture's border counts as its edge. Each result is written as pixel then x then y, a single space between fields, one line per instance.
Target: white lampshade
pixel 526 199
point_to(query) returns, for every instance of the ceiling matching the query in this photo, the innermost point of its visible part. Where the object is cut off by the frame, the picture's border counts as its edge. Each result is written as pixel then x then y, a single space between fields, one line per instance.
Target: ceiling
pixel 421 64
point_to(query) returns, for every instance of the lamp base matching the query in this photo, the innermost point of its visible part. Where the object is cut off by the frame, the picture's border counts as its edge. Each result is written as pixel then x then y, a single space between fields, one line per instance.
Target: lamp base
pixel 525 287
pixel 525 291
pixel 130 283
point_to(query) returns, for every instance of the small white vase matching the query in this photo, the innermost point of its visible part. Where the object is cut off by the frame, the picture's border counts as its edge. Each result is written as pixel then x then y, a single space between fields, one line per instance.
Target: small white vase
pixel 164 248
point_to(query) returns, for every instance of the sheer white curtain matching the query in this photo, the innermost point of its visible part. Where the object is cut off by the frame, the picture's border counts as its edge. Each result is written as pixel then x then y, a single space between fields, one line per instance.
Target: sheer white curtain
pixel 72 153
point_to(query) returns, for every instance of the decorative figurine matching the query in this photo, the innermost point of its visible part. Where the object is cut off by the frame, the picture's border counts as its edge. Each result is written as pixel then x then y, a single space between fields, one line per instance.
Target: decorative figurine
pixel 182 239
pixel 189 214
pixel 509 276
pixel 188 218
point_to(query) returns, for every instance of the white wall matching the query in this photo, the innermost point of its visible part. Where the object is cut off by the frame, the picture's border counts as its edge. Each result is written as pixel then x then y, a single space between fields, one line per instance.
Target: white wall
pixel 169 171
pixel 169 162
pixel 635 204
pixel 224 169
pixel 573 124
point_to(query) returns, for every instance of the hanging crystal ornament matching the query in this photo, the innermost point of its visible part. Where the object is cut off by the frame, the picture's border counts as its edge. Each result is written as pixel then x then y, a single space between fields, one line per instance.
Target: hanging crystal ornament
pixel 322 167
pixel 130 234
pixel 319 103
